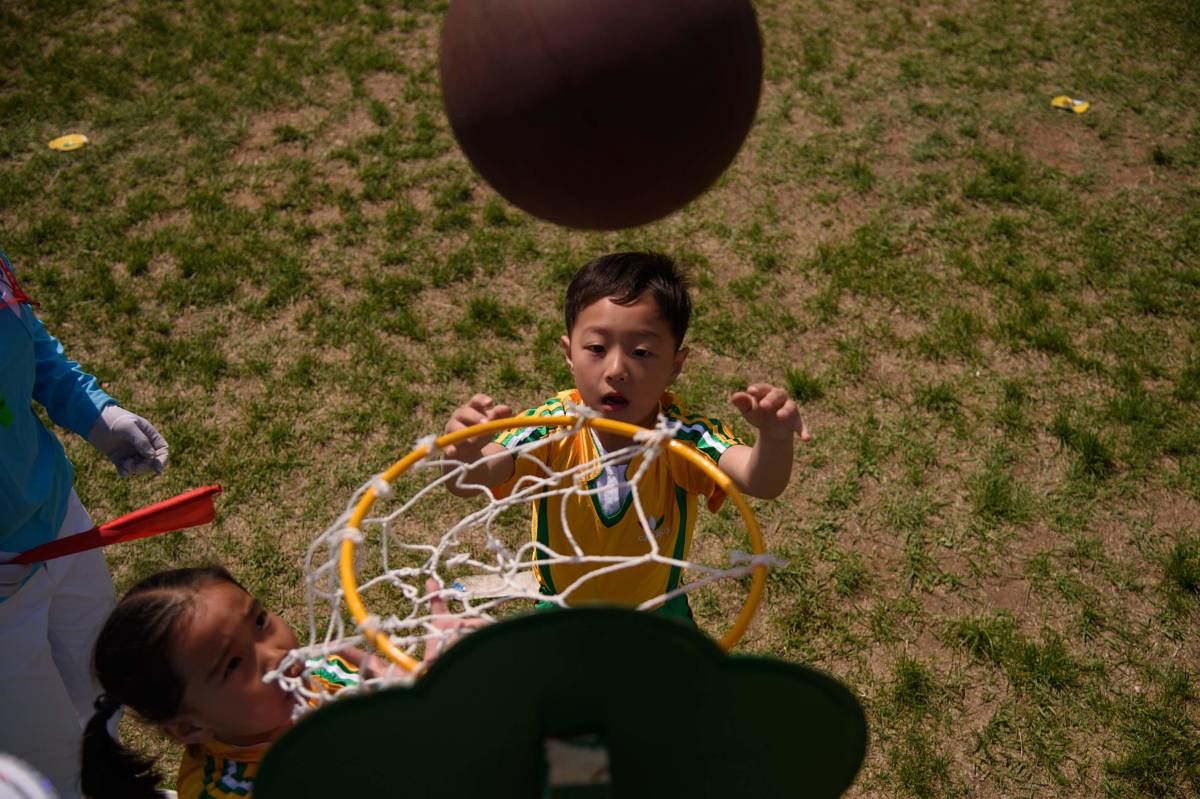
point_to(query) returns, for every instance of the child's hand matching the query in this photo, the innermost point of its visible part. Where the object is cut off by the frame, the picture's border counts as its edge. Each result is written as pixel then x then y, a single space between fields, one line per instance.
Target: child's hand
pixel 444 622
pixel 771 410
pixel 764 470
pixel 480 408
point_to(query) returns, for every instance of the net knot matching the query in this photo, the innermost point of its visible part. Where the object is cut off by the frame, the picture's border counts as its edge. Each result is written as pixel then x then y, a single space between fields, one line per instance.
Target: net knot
pixel 370 625
pixel 383 489
pixel 581 413
pixel 429 443
pixel 737 558
pixel 351 534
pixel 655 439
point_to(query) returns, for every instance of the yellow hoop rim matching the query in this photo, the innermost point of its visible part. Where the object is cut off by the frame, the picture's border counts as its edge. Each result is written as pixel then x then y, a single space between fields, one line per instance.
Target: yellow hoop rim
pixel 384 645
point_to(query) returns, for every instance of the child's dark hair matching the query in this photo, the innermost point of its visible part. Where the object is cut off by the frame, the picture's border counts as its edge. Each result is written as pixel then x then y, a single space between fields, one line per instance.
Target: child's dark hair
pixel 623 277
pixel 132 662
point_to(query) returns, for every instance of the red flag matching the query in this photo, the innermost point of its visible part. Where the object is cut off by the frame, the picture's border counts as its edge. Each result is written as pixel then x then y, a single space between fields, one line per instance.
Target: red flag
pixel 177 513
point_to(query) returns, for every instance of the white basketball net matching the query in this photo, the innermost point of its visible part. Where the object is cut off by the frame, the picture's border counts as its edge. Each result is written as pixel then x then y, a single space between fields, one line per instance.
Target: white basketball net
pixel 482 562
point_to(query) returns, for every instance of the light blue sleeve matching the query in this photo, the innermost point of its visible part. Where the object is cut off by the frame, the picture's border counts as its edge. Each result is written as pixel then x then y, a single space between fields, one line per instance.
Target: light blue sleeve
pixel 72 397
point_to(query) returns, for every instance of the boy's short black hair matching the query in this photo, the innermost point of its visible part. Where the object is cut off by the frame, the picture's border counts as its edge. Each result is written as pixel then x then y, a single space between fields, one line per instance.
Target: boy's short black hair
pixel 623 277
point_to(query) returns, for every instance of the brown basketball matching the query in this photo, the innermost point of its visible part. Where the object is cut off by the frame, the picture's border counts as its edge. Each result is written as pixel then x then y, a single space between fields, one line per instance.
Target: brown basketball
pixel 600 114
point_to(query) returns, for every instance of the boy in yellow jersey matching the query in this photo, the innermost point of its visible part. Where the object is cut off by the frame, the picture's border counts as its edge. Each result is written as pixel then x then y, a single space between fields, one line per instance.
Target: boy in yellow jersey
pixel 626 316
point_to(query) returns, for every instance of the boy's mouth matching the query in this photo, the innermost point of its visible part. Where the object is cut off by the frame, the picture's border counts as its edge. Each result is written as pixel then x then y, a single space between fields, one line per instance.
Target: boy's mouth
pixel 612 403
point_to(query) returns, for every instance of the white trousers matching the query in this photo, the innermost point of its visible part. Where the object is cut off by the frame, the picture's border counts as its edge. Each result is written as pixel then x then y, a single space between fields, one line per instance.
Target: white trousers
pixel 46 686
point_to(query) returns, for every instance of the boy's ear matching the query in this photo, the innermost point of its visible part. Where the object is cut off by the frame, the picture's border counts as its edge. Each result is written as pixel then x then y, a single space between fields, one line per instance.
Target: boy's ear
pixel 677 367
pixel 186 731
pixel 565 342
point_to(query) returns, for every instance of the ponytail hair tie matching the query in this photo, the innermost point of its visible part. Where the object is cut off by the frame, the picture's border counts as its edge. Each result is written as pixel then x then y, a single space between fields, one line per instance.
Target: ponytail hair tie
pixel 105 706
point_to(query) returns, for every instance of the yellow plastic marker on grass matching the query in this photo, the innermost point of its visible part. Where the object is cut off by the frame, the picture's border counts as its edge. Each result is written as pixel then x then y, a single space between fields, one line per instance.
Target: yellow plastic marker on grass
pixel 72 141
pixel 1070 104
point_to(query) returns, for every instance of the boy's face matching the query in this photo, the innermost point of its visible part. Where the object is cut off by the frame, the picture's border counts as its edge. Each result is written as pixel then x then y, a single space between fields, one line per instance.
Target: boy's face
pixel 623 358
pixel 222 650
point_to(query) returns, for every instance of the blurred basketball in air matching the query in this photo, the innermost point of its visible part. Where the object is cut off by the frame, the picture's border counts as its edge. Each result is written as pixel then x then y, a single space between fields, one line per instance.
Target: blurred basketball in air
pixel 600 114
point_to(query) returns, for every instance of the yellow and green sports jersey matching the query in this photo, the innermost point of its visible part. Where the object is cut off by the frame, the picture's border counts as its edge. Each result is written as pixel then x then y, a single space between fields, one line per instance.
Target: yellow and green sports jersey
pixel 602 518
pixel 216 770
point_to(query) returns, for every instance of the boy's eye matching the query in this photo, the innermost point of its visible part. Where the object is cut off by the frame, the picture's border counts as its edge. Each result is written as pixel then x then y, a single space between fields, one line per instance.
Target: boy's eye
pixel 261 620
pixel 232 666
pixel 597 349
pixel 641 352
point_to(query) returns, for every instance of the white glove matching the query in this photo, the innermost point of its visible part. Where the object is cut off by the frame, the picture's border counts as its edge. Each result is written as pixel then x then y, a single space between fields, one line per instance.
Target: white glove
pixel 18 778
pixel 12 577
pixel 129 441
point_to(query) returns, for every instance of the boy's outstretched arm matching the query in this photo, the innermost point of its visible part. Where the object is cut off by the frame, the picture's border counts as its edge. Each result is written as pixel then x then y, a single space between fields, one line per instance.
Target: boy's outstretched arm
pixel 764 470
pixel 480 408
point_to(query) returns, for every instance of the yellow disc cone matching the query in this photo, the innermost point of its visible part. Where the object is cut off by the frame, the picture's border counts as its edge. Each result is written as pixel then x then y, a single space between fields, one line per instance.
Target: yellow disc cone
pixel 72 141
pixel 1070 104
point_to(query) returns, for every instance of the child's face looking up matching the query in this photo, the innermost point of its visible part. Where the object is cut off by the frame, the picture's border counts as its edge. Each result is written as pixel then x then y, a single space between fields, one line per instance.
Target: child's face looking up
pixel 223 647
pixel 623 358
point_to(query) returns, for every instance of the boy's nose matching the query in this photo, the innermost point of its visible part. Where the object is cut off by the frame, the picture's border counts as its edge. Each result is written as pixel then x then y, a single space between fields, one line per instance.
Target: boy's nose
pixel 616 368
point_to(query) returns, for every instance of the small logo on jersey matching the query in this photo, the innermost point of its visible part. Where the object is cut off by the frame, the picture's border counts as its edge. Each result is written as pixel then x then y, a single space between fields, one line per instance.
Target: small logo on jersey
pixel 656 525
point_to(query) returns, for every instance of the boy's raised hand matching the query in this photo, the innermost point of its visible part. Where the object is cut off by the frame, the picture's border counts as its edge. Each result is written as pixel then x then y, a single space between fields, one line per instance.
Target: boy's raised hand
pixel 480 408
pixel 771 410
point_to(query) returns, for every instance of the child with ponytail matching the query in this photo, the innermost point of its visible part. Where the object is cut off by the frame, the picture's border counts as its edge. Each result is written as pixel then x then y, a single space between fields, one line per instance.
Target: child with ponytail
pixel 186 650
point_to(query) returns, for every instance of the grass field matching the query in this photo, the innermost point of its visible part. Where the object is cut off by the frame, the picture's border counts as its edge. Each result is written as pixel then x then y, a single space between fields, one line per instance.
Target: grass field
pixel 989 308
